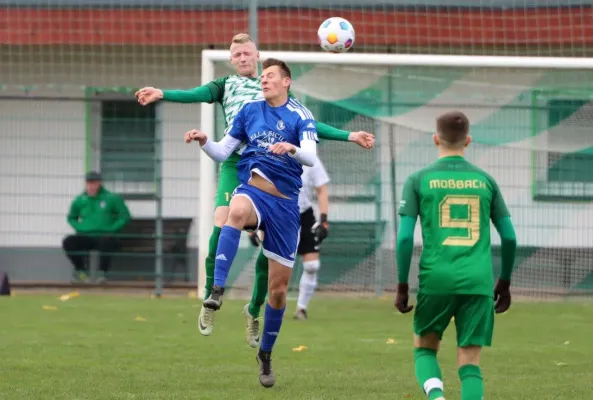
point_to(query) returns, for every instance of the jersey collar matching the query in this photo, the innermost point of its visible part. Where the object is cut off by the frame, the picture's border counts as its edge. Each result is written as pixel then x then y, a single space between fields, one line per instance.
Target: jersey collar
pixel 451 158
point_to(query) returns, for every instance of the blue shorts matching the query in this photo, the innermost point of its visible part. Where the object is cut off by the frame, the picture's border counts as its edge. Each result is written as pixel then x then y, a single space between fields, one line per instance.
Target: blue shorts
pixel 280 221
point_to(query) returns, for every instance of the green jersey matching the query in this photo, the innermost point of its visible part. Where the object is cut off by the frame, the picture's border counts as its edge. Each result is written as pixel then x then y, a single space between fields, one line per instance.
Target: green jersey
pixel 455 201
pixel 232 92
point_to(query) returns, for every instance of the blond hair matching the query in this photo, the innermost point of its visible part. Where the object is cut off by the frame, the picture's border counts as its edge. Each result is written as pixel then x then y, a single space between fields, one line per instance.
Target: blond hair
pixel 241 38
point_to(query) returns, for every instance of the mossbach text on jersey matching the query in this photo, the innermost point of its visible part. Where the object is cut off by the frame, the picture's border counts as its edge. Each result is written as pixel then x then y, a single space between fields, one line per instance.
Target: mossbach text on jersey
pixel 457 184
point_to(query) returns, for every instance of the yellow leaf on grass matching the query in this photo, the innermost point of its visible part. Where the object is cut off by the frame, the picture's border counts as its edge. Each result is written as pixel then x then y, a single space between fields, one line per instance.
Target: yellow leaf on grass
pixel 300 348
pixel 50 308
pixel 69 296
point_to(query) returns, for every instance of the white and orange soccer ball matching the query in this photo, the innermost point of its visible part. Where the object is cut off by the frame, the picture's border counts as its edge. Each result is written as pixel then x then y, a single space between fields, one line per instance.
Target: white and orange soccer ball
pixel 336 35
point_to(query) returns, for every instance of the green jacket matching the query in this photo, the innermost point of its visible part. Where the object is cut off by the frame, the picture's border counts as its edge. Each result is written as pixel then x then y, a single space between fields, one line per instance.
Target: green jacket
pixel 105 213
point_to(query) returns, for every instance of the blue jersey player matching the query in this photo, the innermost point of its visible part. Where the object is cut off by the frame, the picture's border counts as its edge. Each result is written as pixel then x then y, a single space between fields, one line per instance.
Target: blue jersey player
pixel 279 136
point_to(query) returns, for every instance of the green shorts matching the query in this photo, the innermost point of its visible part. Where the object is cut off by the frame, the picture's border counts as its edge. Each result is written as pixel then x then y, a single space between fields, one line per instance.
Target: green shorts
pixel 227 181
pixel 474 317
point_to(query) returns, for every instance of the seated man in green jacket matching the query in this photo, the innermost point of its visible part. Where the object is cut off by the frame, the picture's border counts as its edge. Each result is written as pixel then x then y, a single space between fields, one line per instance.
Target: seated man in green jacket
pixel 96 215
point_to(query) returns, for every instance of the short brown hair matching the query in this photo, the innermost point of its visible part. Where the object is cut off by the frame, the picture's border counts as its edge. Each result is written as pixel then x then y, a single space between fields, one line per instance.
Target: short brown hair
pixel 284 68
pixel 453 128
pixel 241 38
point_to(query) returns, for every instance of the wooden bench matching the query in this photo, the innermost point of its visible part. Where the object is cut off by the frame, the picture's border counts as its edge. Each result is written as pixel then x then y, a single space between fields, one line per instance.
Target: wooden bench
pixel 136 256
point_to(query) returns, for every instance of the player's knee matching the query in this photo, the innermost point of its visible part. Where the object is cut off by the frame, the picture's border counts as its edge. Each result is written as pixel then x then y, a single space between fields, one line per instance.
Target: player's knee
pixel 468 355
pixel 69 243
pixel 238 215
pixel 311 267
pixel 221 214
pixel 428 341
pixel 277 294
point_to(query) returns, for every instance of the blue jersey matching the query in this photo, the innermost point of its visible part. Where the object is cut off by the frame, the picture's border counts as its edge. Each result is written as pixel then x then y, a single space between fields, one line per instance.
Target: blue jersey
pixel 259 126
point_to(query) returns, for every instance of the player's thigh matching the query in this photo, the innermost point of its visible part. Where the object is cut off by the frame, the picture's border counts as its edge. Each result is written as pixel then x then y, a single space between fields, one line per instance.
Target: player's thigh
pixel 244 210
pixel 307 244
pixel 474 320
pixel 227 183
pixel 432 314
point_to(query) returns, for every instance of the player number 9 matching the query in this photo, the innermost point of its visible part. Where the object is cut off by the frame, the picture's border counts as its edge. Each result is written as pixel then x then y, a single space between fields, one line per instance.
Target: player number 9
pixel 471 222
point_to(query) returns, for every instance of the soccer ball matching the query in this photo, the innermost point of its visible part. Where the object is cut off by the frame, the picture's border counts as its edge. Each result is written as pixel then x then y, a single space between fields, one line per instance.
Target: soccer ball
pixel 335 35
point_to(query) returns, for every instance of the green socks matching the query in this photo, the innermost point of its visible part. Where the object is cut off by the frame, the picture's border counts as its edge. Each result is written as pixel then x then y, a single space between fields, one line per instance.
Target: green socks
pixel 428 372
pixel 212 245
pixel 472 385
pixel 260 288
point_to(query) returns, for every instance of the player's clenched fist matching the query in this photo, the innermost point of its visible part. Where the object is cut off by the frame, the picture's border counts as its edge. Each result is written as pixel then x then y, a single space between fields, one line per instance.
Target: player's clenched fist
pixel 195 136
pixel 363 139
pixel 148 95
pixel 282 148
pixel 401 298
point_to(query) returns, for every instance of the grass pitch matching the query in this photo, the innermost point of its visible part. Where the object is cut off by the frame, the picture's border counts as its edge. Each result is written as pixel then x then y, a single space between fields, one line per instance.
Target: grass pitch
pixel 116 347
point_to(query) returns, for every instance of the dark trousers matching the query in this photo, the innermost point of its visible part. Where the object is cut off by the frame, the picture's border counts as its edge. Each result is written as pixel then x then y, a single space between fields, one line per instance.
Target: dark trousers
pixel 77 249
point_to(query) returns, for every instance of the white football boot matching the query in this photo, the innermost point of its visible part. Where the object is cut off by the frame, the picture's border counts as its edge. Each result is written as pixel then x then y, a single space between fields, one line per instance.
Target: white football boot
pixel 252 329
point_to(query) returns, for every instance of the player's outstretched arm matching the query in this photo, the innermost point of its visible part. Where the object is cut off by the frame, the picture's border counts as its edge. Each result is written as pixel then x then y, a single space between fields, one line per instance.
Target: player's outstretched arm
pixel 200 94
pixel 508 250
pixel 363 139
pixel 218 151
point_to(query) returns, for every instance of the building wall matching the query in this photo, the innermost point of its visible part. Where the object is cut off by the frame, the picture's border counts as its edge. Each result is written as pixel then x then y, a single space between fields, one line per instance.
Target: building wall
pixel 43 146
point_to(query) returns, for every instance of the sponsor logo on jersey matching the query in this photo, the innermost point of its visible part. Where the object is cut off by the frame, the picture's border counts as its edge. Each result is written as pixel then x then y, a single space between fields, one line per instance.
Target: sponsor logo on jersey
pixel 266 138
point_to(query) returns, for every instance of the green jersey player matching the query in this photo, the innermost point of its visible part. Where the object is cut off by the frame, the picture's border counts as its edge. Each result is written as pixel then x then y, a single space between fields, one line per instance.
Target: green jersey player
pixel 455 201
pixel 232 92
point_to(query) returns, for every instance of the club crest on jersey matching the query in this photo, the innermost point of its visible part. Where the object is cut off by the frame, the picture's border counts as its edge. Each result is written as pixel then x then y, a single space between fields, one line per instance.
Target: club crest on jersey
pixel 280 125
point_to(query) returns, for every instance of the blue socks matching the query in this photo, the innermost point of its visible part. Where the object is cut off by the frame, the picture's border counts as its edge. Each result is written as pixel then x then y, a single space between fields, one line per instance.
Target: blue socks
pixel 228 244
pixel 272 323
